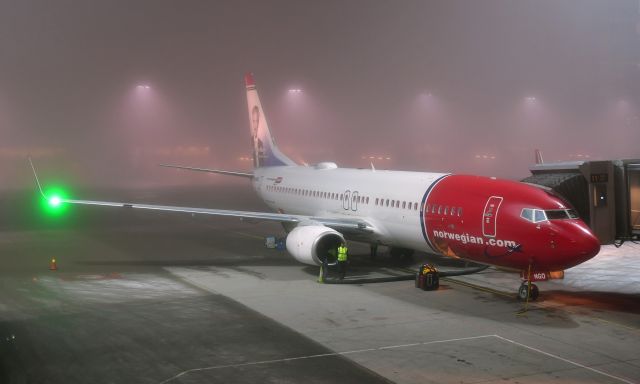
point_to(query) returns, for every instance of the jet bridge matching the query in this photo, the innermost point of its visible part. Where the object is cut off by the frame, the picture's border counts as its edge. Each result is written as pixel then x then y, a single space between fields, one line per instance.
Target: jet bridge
pixel 606 194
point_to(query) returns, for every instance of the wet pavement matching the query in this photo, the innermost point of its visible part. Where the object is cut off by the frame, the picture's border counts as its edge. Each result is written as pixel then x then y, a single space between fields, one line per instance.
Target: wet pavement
pixel 153 297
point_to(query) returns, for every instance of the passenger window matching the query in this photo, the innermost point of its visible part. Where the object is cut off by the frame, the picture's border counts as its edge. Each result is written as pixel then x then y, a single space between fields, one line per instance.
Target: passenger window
pixel 367 199
pixel 433 208
pixel 446 210
pixel 439 209
pixel 459 211
pixel 376 201
pixel 404 204
pixel 387 202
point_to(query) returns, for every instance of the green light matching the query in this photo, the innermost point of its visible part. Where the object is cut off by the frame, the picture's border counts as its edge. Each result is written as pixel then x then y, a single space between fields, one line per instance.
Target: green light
pixel 52 203
pixel 55 201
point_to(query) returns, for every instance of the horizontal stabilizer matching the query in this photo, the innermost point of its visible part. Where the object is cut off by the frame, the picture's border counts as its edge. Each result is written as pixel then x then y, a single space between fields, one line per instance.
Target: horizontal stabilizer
pixel 219 171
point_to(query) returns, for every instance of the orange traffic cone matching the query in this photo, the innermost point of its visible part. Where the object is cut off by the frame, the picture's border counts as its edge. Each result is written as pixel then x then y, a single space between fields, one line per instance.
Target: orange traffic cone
pixel 52 265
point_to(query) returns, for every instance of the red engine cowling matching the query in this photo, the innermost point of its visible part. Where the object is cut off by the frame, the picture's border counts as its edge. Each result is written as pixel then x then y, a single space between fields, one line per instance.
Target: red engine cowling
pixel 311 244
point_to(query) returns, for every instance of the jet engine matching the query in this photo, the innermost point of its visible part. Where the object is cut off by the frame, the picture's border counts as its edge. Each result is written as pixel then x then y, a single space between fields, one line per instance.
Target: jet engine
pixel 311 244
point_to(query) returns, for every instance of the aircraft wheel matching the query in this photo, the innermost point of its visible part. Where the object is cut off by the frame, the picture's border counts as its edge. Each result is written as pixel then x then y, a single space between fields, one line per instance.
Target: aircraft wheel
pixel 523 291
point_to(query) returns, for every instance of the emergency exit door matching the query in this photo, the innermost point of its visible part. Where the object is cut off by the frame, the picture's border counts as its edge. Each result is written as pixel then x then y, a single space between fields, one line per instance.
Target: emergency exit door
pixel 490 216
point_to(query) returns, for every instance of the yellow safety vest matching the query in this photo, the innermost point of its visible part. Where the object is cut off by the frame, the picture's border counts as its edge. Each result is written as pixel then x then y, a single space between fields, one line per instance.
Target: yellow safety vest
pixel 342 253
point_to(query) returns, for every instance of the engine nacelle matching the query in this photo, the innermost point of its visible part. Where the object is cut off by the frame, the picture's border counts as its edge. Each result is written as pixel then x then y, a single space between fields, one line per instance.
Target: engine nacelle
pixel 310 244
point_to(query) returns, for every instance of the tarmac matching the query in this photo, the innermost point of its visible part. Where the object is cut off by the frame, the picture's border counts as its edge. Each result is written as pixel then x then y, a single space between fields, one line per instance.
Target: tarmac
pixel 168 298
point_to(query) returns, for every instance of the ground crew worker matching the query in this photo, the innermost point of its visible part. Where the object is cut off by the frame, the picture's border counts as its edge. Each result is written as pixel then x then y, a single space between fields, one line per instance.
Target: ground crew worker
pixel 342 260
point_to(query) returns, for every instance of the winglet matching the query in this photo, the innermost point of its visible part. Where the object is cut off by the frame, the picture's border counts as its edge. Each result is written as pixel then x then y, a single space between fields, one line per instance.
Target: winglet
pixel 35 175
pixel 539 159
pixel 248 80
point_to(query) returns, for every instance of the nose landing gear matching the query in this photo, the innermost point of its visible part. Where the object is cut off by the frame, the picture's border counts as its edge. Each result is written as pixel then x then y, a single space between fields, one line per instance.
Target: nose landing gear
pixel 528 291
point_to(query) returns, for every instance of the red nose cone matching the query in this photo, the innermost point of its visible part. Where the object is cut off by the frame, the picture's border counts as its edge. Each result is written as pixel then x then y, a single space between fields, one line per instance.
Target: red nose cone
pixel 589 246
pixel 583 245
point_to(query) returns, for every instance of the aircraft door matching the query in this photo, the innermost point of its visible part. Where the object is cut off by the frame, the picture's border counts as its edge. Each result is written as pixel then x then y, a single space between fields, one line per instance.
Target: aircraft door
pixel 490 216
pixel 346 200
pixel 354 200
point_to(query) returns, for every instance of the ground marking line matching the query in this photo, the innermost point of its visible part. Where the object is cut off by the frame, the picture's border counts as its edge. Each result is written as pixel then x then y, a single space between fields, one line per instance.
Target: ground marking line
pixel 321 355
pixel 479 287
pixel 565 360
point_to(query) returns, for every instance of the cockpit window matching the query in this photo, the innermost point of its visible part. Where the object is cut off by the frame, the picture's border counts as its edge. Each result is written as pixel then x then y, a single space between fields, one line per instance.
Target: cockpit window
pixel 533 215
pixel 538 215
pixel 561 214
pixel 527 214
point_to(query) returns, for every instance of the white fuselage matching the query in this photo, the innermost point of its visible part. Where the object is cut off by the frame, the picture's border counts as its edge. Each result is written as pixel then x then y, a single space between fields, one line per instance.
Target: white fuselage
pixel 389 200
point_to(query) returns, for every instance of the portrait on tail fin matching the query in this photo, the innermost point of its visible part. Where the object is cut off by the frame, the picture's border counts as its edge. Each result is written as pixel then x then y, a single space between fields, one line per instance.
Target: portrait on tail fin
pixel 258 146
pixel 265 151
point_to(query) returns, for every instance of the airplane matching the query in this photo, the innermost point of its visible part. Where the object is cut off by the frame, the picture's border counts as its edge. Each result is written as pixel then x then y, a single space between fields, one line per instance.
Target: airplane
pixel 486 220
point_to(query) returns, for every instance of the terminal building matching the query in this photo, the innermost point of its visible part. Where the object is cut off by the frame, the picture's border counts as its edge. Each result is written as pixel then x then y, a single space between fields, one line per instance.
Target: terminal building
pixel 606 194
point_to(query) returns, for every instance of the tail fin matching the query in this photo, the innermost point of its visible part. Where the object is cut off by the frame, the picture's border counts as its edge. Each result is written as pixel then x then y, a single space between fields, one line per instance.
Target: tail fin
pixel 265 151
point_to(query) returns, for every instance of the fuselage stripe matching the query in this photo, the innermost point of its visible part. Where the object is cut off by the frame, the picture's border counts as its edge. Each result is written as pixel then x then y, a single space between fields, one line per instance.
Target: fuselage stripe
pixel 423 225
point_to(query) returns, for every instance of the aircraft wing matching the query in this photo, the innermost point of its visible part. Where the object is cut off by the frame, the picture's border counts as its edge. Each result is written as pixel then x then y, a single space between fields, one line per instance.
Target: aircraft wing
pixel 336 223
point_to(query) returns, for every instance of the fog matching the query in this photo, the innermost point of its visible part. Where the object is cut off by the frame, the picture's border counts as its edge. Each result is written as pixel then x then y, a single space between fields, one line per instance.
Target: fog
pixel 100 92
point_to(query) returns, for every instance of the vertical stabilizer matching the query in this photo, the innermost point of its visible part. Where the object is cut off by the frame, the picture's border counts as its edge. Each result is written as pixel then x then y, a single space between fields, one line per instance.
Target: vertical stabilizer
pixel 265 151
pixel 539 159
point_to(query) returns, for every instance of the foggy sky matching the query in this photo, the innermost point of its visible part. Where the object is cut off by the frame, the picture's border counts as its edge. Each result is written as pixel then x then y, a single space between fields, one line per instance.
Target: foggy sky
pixel 463 86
